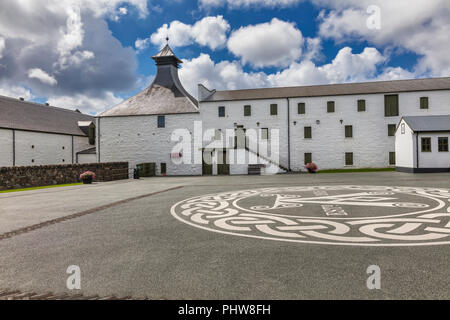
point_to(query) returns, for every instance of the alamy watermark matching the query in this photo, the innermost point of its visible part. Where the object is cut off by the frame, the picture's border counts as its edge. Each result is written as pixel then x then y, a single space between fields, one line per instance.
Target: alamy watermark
pixel 374 280
pixel 73 282
pixel 373 22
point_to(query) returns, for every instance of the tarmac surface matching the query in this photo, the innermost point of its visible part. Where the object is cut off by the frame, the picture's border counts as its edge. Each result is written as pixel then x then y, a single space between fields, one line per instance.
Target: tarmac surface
pixel 291 236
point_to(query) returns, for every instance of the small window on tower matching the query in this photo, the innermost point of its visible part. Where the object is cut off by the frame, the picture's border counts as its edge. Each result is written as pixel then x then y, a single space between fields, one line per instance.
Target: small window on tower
pixel 221 111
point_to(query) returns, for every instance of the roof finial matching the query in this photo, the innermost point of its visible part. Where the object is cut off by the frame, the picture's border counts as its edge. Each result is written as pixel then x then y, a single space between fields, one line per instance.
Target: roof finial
pixel 167 39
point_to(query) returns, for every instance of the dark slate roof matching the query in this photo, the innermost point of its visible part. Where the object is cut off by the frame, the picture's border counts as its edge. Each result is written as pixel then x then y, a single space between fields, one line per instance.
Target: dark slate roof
pixel 92 150
pixel 428 123
pixel 393 86
pixel 23 115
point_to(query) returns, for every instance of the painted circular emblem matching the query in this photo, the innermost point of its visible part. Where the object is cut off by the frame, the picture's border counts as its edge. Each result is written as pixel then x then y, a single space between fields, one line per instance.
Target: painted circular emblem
pixel 337 215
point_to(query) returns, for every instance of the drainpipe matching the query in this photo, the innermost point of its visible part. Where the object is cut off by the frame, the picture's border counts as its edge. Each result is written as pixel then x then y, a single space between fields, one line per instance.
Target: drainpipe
pixel 14 147
pixel 72 150
pixel 289 134
pixel 417 150
pixel 98 139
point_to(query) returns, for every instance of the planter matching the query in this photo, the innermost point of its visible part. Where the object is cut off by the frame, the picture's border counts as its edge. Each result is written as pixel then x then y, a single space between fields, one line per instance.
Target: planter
pixel 87 180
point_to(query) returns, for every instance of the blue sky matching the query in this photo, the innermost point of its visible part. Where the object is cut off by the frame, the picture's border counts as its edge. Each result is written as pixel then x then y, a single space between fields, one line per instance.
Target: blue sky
pixel 91 55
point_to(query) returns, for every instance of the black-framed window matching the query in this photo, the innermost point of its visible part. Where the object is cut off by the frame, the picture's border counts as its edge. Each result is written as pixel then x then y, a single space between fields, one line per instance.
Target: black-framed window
pixel 161 121
pixel 349 158
pixel 91 132
pixel 349 131
pixel 391 130
pixel 264 133
pixel 391 105
pixel 426 144
pixel 273 109
pixel 443 144
pixel 391 158
pixel 308 132
pixel 221 110
pixel 301 108
pixel 308 157
pixel 424 103
pixel 361 105
pixel 163 168
pixel 330 106
pixel 247 111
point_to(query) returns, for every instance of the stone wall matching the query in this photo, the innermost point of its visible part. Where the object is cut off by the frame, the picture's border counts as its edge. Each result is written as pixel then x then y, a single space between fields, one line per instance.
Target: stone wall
pixel 36 176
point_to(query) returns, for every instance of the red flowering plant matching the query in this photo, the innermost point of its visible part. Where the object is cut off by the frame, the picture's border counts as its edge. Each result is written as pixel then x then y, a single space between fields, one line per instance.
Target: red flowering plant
pixel 311 167
pixel 87 176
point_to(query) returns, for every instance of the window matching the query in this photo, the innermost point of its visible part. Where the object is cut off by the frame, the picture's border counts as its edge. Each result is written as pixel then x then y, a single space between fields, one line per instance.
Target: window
pixel 163 168
pixel 361 105
pixel 424 103
pixel 443 144
pixel 403 128
pixel 349 158
pixel 391 105
pixel 91 134
pixel 348 131
pixel 218 134
pixel 308 132
pixel 221 112
pixel 308 158
pixel 391 158
pixel 330 106
pixel 161 121
pixel 426 144
pixel 391 130
pixel 301 108
pixel 273 109
pixel 247 111
pixel 264 133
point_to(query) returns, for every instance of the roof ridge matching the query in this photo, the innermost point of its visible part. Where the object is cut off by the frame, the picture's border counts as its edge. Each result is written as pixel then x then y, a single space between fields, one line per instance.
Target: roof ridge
pixel 44 105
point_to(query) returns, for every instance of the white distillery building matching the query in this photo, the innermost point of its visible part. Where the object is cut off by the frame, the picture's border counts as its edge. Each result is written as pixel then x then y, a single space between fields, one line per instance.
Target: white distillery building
pixel 336 126
pixel 35 134
pixel 421 143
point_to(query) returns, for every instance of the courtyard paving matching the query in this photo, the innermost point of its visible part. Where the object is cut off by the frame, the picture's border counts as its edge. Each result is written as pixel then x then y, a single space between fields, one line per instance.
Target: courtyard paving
pixel 255 237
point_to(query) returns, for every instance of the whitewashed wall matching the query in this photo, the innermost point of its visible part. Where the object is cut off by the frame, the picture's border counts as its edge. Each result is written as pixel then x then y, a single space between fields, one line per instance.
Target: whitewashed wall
pixel 434 159
pixel 405 147
pixel 6 148
pixel 87 158
pixel 48 148
pixel 137 139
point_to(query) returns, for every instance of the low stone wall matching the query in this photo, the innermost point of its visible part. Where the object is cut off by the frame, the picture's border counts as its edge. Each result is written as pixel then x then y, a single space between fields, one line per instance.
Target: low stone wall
pixel 37 176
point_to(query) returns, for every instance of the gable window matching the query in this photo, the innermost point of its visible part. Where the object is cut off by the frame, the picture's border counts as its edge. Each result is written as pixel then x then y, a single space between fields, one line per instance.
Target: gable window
pixel 330 106
pixel 273 109
pixel 403 128
pixel 443 144
pixel 221 111
pixel 308 158
pixel 161 121
pixel 301 108
pixel 424 103
pixel 426 144
pixel 361 105
pixel 391 158
pixel 391 105
pixel 391 130
pixel 247 111
pixel 349 158
pixel 308 132
pixel 264 133
pixel 349 131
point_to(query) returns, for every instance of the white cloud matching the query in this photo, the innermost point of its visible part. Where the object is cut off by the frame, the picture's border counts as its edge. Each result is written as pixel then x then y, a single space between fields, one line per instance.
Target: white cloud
pixel 418 26
pixel 247 3
pixel 275 43
pixel 345 67
pixel 209 32
pixel 86 103
pixel 42 76
pixel 15 91
pixel 2 46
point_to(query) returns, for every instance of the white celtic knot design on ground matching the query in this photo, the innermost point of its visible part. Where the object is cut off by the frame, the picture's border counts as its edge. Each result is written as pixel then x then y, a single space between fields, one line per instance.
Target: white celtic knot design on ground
pixel 337 215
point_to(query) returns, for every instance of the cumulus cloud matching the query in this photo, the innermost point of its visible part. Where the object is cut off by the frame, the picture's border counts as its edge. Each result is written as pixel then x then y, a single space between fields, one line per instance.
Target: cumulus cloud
pixel 2 46
pixel 275 43
pixel 71 41
pixel 247 3
pixel 42 76
pixel 418 26
pixel 345 67
pixel 15 91
pixel 209 32
pixel 86 103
